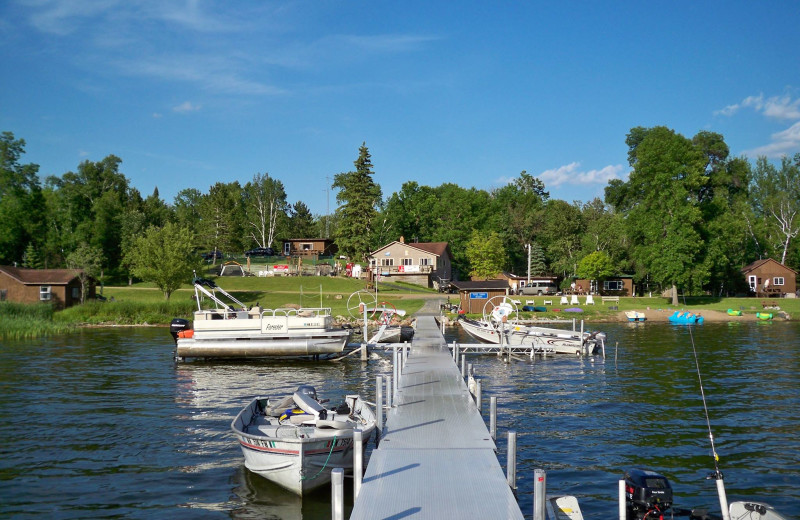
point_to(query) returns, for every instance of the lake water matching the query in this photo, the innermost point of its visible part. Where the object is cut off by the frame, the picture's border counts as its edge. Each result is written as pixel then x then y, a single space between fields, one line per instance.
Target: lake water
pixel 104 424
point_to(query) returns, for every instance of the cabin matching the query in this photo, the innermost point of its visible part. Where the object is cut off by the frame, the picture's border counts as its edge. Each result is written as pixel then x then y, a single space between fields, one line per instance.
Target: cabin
pixel 315 247
pixel 429 264
pixel 769 278
pixel 473 295
pixel 60 287
pixel 621 285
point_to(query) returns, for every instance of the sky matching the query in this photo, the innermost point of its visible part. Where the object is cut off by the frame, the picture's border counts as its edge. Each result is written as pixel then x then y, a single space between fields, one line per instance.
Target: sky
pixel 191 93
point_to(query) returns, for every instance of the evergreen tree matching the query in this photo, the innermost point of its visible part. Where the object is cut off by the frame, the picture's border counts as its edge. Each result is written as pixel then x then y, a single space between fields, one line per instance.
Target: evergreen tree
pixel 301 222
pixel 359 197
pixel 538 264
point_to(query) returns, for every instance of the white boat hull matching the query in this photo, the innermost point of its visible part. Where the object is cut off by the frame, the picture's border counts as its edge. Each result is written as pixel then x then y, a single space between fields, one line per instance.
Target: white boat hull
pixel 332 342
pixel 542 339
pixel 300 457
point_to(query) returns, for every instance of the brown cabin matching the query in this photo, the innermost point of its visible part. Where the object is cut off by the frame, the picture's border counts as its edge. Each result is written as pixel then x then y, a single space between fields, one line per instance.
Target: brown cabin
pixel 612 286
pixel 315 247
pixel 61 287
pixel 475 294
pixel 768 278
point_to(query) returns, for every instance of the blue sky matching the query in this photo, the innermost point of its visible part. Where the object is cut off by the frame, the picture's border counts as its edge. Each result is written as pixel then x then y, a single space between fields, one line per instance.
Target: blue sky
pixel 189 93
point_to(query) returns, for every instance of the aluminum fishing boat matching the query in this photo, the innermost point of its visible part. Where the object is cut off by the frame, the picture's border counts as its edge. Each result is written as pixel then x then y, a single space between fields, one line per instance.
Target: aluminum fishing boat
pixel 232 330
pixel 296 442
pixel 544 340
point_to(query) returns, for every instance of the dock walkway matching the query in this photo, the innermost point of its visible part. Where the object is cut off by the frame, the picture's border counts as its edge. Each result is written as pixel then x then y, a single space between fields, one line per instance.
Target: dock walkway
pixel 436 458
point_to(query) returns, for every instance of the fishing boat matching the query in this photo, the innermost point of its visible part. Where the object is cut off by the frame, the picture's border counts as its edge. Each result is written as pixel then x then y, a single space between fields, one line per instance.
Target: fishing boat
pixel 296 442
pixel 635 316
pixel 546 340
pixel 686 318
pixel 232 330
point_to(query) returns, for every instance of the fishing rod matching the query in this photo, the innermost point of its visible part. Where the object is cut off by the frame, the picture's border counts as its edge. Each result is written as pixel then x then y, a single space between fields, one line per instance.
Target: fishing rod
pixel 717 474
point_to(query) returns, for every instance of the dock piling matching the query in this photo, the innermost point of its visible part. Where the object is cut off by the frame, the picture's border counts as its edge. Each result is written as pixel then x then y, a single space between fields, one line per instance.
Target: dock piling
pixel 511 460
pixel 358 461
pixel 623 509
pixel 389 391
pixel 493 417
pixel 337 494
pixel 478 396
pixel 379 403
pixel 539 497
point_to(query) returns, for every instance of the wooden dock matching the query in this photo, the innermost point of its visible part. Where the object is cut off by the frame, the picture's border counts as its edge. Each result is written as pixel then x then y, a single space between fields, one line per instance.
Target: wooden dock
pixel 436 458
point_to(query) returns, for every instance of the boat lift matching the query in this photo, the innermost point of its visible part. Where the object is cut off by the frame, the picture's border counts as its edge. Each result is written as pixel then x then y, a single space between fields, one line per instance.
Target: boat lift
pixel 200 285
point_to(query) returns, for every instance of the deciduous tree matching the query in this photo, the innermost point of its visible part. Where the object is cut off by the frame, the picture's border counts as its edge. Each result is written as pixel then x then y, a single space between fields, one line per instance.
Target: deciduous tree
pixel 164 256
pixel 486 254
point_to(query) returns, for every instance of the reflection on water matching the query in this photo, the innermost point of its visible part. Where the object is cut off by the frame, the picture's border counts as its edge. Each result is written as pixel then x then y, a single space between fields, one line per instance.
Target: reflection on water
pixel 102 423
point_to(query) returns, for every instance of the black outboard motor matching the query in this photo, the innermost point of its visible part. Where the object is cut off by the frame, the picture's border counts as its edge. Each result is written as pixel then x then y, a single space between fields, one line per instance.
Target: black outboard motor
pixel 177 325
pixel 648 494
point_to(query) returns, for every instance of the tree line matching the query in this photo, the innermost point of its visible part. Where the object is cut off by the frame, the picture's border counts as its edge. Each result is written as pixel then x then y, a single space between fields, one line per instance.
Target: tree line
pixel 688 216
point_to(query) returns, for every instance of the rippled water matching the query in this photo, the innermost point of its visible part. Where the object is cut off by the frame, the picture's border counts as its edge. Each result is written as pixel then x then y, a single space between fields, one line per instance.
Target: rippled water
pixel 103 423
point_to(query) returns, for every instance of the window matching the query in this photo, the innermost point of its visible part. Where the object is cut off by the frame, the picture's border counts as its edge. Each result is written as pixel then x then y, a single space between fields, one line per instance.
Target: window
pixel 44 293
pixel 778 280
pixel 307 247
pixel 424 261
pixel 407 261
pixel 612 285
pixel 387 262
pixel 3 293
pixel 76 293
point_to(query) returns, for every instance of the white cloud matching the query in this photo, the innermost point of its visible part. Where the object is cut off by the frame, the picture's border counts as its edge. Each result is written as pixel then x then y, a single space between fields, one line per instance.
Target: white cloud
pixel 784 142
pixel 777 107
pixel 572 174
pixel 186 106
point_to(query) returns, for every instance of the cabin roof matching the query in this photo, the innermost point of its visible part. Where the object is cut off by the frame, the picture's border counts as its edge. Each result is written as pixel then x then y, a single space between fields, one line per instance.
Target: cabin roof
pixel 40 276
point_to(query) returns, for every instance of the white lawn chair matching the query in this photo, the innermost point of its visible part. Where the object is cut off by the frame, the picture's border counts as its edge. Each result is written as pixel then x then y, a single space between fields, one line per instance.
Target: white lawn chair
pixel 589 299
pixel 548 302
pixel 564 300
pixel 574 300
pixel 530 302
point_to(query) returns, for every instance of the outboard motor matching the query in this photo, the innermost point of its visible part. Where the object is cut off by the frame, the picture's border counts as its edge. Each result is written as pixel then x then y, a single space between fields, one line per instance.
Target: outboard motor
pixel 177 325
pixel 307 390
pixel 305 397
pixel 648 494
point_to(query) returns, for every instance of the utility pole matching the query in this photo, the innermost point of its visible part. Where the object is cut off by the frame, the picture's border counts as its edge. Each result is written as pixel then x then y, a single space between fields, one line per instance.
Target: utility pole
pixel 528 246
pixel 328 201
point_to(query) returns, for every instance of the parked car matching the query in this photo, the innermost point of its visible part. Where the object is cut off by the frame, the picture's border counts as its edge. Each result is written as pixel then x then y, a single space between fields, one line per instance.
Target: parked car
pixel 260 251
pixel 211 255
pixel 540 287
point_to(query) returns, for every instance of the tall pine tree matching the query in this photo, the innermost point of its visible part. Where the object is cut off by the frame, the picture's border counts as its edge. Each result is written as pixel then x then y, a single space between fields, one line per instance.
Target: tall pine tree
pixel 358 199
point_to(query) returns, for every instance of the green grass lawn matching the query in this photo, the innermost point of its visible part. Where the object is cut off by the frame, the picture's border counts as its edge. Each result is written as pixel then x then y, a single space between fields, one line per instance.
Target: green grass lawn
pixel 274 292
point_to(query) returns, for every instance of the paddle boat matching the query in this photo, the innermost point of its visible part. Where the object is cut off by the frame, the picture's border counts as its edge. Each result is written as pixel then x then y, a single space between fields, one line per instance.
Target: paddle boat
pixel 764 316
pixel 635 316
pixel 686 318
pixel 732 312
pixel 296 442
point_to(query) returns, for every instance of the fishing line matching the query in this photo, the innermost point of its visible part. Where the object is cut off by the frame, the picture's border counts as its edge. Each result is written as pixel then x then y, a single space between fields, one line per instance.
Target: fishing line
pixel 705 406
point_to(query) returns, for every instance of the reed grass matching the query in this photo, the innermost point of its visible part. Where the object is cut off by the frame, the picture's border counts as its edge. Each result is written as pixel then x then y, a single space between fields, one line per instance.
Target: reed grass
pixel 147 312
pixel 27 321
